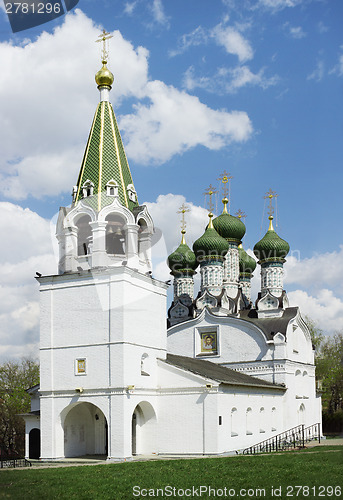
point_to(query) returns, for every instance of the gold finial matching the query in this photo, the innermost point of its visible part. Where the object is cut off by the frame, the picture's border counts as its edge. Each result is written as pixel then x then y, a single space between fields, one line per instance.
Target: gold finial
pixel 210 191
pixel 226 178
pixel 240 214
pixel 270 223
pixel 270 195
pixel 210 224
pixel 182 210
pixel 103 38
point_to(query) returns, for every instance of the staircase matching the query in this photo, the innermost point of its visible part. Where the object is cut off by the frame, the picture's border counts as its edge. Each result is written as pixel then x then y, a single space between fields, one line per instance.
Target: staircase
pixel 290 439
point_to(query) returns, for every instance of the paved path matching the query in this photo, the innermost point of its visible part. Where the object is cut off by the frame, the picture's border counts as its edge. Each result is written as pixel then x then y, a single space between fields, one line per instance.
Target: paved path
pixel 94 460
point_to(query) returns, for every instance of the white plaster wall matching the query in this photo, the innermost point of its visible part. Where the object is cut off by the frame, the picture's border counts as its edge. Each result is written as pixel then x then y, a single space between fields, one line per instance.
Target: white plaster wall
pixel 31 422
pixel 238 340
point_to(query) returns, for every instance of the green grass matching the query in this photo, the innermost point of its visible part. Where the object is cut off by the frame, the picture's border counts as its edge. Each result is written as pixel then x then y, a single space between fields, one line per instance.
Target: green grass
pixel 317 467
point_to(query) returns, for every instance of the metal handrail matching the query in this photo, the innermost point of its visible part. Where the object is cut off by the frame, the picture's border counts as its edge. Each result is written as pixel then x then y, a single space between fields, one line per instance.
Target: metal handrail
pixel 291 438
pixel 14 462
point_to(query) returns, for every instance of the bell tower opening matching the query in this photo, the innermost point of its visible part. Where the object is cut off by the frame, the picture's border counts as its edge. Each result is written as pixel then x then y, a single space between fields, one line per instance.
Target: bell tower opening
pixel 84 235
pixel 115 235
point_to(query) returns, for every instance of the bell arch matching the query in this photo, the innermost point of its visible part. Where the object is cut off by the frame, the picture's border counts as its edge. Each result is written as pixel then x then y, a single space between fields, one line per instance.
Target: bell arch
pixel 84 234
pixel 115 234
pixel 144 429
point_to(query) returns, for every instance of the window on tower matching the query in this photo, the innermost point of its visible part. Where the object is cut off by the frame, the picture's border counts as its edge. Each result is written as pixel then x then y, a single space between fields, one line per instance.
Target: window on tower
pixel 84 235
pixel 112 188
pixel 88 189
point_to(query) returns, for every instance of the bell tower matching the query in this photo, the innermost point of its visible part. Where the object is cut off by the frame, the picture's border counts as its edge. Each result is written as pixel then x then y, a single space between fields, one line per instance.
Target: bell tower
pixel 103 315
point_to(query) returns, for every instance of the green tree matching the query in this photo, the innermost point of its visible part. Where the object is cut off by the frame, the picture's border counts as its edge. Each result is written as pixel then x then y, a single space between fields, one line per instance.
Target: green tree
pixel 15 378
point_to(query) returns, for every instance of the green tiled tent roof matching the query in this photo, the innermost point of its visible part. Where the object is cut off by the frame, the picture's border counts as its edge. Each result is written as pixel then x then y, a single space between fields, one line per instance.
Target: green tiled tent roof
pixel 104 160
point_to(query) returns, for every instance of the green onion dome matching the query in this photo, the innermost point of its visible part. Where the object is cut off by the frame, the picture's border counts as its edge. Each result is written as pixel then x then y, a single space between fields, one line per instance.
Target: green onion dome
pixel 247 264
pixel 229 227
pixel 104 77
pixel 271 247
pixel 210 246
pixel 183 260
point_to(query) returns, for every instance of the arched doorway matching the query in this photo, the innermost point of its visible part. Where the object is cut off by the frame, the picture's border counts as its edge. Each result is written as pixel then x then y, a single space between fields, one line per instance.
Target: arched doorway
pixel 144 429
pixel 85 431
pixel 34 443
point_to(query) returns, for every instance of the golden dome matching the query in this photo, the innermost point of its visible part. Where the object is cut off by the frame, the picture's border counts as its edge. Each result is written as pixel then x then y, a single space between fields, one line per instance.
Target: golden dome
pixel 104 77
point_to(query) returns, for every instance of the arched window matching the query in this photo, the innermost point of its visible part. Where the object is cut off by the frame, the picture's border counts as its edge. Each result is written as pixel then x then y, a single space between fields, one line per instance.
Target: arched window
pixel 145 365
pixel 262 420
pixel 142 232
pixel 87 189
pixel 115 235
pixel 131 193
pixel 302 414
pixel 112 188
pixel 84 235
pixel 273 419
pixel 249 421
pixel 234 422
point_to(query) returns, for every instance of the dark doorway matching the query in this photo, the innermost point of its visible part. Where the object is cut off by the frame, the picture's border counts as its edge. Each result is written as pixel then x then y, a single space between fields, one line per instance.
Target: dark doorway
pixel 34 443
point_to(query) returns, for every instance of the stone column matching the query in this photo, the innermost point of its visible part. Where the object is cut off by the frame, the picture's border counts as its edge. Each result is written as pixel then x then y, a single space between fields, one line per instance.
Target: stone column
pixel 98 255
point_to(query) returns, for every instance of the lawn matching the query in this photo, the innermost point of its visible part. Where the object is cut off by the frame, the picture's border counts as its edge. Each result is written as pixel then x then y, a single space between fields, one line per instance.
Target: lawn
pixel 316 473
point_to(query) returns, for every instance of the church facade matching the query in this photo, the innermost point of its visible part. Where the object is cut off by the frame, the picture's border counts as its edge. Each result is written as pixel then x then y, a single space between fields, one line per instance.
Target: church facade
pixel 117 378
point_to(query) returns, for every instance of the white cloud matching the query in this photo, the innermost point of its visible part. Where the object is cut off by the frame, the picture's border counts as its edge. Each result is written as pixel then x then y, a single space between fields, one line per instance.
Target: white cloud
pixel 296 32
pixel 228 80
pixel 338 69
pixel 44 134
pixel 322 28
pixel 324 308
pixel 130 7
pixel 153 133
pixel 26 248
pixel 317 272
pixel 158 13
pixel 278 4
pixel 318 72
pixel 233 41
pixel 197 37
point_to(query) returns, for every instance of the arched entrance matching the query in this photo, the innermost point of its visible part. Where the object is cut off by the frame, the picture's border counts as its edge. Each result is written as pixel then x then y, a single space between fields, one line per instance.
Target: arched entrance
pixel 144 437
pixel 85 431
pixel 34 443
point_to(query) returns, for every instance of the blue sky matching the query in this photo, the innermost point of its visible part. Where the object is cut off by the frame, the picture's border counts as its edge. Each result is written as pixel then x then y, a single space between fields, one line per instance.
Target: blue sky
pixel 251 86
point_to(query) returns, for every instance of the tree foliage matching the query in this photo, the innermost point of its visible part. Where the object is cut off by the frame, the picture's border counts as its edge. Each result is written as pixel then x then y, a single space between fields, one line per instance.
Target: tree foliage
pixel 15 378
pixel 329 366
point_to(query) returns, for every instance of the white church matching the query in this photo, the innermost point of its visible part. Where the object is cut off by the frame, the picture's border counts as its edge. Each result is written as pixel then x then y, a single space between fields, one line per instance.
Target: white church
pixel 122 376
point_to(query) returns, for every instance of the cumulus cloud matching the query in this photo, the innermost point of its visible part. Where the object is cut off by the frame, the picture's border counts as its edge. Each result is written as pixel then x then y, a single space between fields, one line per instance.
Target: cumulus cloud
pixel 27 248
pixel 229 80
pixel 153 134
pixel 278 4
pixel 294 31
pixel 198 36
pixel 324 308
pixel 44 134
pixel 338 68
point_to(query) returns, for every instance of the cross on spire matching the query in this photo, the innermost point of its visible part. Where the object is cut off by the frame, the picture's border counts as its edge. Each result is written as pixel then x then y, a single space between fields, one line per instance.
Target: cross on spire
pixel 182 210
pixel 270 195
pixel 103 38
pixel 226 178
pixel 210 191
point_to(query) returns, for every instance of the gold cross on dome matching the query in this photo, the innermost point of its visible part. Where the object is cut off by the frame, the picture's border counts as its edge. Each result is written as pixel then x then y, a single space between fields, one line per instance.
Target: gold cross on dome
pixel 225 178
pixel 182 210
pixel 210 191
pixel 240 214
pixel 270 195
pixel 103 38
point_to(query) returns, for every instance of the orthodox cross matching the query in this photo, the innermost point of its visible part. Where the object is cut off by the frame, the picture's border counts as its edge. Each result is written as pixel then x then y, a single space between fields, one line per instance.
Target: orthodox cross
pixel 210 191
pixel 182 210
pixel 270 195
pixel 103 38
pixel 226 178
pixel 240 214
